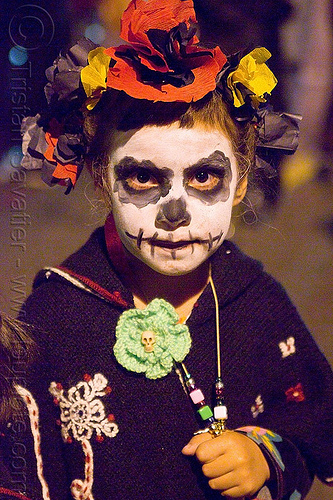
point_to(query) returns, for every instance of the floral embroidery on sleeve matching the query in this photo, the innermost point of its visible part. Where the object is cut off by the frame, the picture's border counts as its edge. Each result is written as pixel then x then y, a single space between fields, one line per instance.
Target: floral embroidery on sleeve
pixel 266 438
pixel 295 394
pixel 258 407
pixel 288 347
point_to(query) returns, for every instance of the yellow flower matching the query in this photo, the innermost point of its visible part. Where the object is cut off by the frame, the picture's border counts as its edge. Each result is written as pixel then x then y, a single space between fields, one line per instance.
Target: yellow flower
pixel 254 74
pixel 93 76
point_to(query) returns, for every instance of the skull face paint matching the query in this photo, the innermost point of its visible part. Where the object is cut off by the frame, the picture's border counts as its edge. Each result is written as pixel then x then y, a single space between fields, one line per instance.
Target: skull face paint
pixel 172 194
pixel 130 192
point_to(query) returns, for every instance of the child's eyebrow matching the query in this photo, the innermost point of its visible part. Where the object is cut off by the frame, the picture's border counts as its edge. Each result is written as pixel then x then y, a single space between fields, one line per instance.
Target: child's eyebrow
pixel 217 160
pixel 129 165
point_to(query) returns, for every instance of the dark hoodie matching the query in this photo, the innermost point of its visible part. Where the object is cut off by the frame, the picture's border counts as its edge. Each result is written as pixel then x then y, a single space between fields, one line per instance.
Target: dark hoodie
pixel 269 383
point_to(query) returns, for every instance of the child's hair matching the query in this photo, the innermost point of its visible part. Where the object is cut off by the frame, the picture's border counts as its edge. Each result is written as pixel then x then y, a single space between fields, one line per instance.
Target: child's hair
pixel 118 111
pixel 16 352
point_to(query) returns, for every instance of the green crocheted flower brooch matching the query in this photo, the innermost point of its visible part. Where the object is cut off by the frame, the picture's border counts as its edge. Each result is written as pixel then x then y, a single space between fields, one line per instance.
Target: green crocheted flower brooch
pixel 149 340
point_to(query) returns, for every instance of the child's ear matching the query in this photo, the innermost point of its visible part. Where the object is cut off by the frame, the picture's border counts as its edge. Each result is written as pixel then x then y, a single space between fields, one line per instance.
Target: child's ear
pixel 240 191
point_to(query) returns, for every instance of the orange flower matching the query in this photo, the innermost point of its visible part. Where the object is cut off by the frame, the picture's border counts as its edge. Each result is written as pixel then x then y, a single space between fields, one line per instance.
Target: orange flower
pixel 124 76
pixel 142 16
pixel 65 172
pixel 52 142
pixel 164 61
pixel 62 172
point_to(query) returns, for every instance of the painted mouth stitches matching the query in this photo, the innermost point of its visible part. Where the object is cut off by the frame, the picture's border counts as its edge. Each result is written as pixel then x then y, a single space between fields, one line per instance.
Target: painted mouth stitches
pixel 174 245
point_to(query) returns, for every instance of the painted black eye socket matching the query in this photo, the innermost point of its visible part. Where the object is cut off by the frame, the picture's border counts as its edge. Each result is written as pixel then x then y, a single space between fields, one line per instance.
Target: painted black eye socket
pixel 201 176
pixel 205 178
pixel 141 180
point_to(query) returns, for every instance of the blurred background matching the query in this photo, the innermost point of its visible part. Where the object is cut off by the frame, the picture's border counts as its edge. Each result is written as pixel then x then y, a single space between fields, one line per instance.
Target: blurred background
pixel 286 220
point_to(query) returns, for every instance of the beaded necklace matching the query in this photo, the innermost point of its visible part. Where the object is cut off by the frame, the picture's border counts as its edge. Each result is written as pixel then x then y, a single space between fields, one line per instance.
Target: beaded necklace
pixel 167 319
pixel 214 421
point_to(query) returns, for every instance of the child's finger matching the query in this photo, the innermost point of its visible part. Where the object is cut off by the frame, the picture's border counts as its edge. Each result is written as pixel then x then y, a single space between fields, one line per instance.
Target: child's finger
pixel 192 445
pixel 218 467
pixel 209 451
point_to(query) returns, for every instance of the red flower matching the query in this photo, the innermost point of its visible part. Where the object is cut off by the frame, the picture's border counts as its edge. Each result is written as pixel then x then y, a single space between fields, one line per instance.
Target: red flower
pixel 164 61
pixel 295 394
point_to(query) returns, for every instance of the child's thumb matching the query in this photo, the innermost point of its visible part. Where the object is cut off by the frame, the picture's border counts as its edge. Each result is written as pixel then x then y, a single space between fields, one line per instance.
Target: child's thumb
pixel 192 445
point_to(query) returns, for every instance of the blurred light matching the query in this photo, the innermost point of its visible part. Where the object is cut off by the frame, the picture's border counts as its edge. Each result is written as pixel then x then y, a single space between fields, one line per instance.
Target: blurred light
pixel 96 33
pixel 11 160
pixel 18 56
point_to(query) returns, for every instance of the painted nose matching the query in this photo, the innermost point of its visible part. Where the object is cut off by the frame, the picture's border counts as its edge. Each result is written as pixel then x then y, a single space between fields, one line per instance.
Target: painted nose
pixel 172 214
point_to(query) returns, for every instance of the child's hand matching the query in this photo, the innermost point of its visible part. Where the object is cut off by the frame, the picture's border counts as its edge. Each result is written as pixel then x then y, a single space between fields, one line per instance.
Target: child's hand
pixel 233 463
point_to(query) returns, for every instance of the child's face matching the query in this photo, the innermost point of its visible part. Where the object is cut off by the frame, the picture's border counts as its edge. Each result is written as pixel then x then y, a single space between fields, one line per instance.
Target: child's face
pixel 172 194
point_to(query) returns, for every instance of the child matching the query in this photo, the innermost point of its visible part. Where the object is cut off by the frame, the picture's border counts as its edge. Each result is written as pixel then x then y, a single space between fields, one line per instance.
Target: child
pixel 158 307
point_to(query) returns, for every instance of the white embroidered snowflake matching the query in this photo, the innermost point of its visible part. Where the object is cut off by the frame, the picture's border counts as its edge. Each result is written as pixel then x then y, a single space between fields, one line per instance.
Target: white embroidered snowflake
pixel 258 407
pixel 82 412
pixel 288 347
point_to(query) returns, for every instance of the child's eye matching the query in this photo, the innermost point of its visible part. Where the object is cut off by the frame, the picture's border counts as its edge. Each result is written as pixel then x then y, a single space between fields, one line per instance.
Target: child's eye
pixel 141 180
pixel 204 180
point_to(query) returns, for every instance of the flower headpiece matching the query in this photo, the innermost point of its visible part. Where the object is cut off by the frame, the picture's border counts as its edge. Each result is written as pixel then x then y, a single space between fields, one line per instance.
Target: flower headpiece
pixel 163 60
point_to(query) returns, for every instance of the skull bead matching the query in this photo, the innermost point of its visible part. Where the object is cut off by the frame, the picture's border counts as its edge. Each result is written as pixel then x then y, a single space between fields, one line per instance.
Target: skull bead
pixel 148 339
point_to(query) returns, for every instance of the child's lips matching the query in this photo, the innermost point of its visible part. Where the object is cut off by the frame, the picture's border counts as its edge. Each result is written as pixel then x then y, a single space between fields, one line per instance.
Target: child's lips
pixel 172 245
